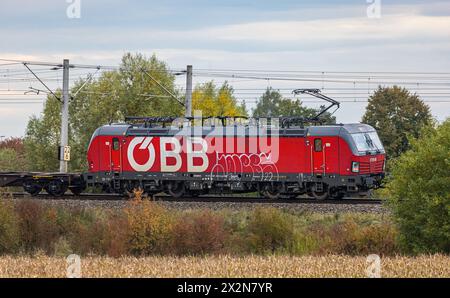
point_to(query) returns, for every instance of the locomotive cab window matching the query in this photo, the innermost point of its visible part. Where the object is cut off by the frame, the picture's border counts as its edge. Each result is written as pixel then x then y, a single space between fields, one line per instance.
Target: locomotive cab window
pixel 115 144
pixel 318 145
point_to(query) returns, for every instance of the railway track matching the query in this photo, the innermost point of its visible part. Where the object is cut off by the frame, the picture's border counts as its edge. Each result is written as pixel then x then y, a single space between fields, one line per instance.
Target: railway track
pixel 206 199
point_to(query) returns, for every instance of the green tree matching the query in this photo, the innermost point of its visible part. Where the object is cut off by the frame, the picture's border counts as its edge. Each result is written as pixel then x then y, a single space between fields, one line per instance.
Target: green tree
pixel 396 113
pixel 127 91
pixel 419 192
pixel 273 104
pixel 213 101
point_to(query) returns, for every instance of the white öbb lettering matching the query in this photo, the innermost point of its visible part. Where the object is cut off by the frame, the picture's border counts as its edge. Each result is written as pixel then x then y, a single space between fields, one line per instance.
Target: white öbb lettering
pixel 173 153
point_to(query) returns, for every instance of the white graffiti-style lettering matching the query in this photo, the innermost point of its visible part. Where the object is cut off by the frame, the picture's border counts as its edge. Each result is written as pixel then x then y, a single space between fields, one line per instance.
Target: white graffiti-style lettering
pixel 260 166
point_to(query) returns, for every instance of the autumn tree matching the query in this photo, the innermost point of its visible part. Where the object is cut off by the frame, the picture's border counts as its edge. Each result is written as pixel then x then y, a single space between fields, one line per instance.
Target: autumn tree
pixel 214 101
pixel 273 104
pixel 12 155
pixel 396 113
pixel 127 91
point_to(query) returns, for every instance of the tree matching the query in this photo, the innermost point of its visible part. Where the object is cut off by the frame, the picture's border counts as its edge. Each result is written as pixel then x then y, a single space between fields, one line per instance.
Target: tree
pixel 12 155
pixel 213 101
pixel 395 113
pixel 273 104
pixel 127 91
pixel 419 191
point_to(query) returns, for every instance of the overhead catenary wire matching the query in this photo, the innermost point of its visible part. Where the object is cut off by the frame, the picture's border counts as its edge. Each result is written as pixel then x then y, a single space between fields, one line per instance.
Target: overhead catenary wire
pixel 427 84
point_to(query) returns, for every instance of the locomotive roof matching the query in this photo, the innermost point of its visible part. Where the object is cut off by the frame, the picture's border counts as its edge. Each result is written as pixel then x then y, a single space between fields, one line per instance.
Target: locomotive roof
pixel 135 130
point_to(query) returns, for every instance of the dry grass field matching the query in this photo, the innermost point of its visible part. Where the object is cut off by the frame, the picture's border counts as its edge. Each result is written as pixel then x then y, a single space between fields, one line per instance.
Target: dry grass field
pixel 226 266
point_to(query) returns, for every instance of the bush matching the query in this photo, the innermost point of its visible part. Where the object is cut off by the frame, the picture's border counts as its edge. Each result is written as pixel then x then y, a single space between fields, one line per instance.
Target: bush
pixel 349 234
pixel 88 236
pixel 351 238
pixel 117 239
pixel 145 228
pixel 200 232
pixel 270 230
pixel 9 233
pixel 149 227
pixel 419 192
pixel 37 225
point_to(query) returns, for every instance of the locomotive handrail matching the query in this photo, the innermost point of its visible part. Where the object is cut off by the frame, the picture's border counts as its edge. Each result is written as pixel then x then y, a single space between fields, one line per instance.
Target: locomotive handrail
pixel 283 122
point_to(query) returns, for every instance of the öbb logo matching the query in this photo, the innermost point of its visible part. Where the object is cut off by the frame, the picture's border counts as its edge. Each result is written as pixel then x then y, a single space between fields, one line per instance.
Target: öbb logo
pixel 174 153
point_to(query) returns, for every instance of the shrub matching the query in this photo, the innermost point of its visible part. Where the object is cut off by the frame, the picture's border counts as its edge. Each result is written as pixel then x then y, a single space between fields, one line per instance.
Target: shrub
pixel 9 233
pixel 200 232
pixel 62 248
pixel 149 227
pixel 351 238
pixel 419 192
pixel 270 230
pixel 117 239
pixel 349 234
pixel 38 227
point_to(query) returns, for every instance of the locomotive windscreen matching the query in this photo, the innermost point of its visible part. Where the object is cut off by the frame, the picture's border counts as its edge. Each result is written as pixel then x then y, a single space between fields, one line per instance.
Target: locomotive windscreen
pixel 367 141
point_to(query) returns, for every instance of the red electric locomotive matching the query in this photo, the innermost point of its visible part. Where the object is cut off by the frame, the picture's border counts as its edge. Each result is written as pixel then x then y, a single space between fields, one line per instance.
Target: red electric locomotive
pixel 270 157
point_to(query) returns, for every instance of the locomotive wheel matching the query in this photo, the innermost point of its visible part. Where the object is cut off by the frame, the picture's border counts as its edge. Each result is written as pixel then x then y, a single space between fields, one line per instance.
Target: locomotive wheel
pixel 338 196
pixel 320 195
pixel 272 191
pixel 56 188
pixel 128 188
pixel 273 195
pixel 176 190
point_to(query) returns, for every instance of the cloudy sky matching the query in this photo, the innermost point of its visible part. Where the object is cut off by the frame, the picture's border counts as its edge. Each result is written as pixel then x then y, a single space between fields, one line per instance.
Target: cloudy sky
pixel 409 38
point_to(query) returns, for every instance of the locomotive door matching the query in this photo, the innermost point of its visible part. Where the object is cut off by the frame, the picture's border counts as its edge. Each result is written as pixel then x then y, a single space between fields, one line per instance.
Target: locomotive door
pixel 318 157
pixel 115 155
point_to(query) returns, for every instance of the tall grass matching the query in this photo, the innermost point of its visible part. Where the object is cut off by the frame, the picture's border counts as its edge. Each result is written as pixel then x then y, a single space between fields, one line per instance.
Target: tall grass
pixel 226 266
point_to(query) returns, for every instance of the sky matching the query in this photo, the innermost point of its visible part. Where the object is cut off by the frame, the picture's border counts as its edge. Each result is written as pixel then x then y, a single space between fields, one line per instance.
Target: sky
pixel 266 36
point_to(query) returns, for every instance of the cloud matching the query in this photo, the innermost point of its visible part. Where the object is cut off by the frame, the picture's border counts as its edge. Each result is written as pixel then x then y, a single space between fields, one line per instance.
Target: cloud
pixel 267 35
pixel 392 27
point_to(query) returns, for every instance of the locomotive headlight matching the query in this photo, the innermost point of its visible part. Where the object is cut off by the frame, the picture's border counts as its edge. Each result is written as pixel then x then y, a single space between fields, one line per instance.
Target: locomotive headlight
pixel 355 167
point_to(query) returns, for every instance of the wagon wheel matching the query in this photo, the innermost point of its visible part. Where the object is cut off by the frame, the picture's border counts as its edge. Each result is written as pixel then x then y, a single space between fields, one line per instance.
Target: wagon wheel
pixel 76 190
pixel 56 188
pixel 176 189
pixel 32 189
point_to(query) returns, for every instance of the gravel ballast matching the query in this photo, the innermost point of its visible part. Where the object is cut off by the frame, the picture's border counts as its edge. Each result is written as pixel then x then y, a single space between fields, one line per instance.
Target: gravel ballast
pixel 218 205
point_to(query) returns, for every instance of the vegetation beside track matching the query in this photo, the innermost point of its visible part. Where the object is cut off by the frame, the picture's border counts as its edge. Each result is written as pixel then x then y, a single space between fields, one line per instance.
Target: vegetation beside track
pixel 146 228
